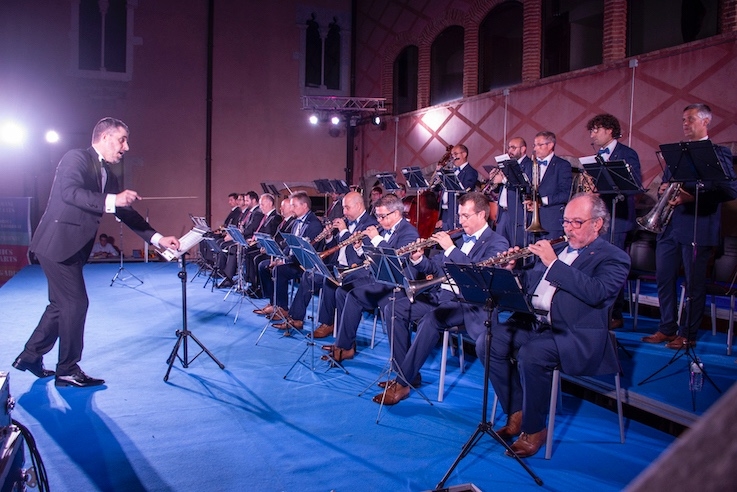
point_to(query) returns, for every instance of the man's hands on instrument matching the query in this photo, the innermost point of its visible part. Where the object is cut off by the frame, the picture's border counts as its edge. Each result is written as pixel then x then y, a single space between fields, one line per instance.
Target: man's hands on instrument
pixel 544 250
pixel 682 197
pixel 126 198
pixel 417 255
pixel 372 232
pixel 276 263
pixel 169 242
pixel 443 239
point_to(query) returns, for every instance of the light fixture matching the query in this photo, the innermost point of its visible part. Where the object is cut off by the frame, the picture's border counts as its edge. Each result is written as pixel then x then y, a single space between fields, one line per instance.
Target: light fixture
pixel 376 120
pixel 12 134
pixel 52 136
pixel 314 119
pixel 335 119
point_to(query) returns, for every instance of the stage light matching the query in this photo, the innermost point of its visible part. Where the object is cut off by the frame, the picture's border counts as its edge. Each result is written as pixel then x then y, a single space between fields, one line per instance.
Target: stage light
pixel 314 119
pixel 12 134
pixel 52 136
pixel 376 120
pixel 335 120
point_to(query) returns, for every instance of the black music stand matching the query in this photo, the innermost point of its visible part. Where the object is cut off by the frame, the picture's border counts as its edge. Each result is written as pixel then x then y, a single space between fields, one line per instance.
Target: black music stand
pixel 681 159
pixel 215 249
pixel 339 186
pixel 517 180
pixel 450 184
pixel 238 286
pixel 184 334
pixel 415 182
pixel 494 288
pixel 310 261
pixel 388 181
pixel 119 275
pixel 392 271
pixel 612 178
pixel 272 249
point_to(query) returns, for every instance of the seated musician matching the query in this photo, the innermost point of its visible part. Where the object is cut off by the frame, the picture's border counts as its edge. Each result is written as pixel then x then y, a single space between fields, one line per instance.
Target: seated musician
pixel 267 224
pixel 573 288
pixel 307 225
pixel 250 219
pixel 353 298
pixel 439 308
pixel 356 220
pixel 255 255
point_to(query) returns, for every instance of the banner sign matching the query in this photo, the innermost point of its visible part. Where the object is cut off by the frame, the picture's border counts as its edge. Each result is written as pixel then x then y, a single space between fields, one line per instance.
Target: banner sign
pixel 15 235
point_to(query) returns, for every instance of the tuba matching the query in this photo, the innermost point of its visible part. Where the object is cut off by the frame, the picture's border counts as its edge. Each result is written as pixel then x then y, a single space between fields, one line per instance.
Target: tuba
pixel 535 225
pixel 658 218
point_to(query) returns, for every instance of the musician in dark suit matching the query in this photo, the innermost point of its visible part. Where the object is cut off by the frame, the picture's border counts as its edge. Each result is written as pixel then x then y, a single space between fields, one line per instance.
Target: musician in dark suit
pixel 510 221
pixel 367 293
pixel 604 131
pixel 572 288
pixel 554 184
pixel 268 221
pixel 306 225
pixel 356 220
pixel 467 176
pixel 439 309
pixel 83 189
pixel 254 257
pixel 674 245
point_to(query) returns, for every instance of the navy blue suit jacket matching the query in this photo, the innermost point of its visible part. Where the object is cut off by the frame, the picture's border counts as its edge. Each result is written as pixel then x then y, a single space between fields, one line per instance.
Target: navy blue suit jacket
pixel 579 311
pixel 711 197
pixel 556 188
pixel 350 253
pixel 75 207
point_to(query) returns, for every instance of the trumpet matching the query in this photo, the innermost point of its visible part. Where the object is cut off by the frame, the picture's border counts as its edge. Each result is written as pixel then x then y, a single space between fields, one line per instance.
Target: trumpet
pixel 489 186
pixel 356 236
pixel 425 243
pixel 535 225
pixel 658 218
pixel 416 287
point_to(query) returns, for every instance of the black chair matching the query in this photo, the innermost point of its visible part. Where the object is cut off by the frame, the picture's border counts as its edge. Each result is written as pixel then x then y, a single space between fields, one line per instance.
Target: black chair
pixel 642 269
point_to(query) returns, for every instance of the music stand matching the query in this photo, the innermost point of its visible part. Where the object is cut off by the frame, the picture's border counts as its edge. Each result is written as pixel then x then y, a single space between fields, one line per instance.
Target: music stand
pixel 272 249
pixel 388 181
pixel 118 276
pixel 415 179
pixel 450 184
pixel 310 261
pixel 189 240
pixel 494 288
pixel 392 271
pixel 238 286
pixel 518 180
pixel 612 178
pixel 339 186
pixel 681 159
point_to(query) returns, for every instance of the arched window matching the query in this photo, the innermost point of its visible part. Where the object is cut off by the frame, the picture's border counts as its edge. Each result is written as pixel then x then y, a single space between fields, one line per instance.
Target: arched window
pixel 573 35
pixel 500 47
pixel 332 56
pixel 657 24
pixel 324 51
pixel 405 81
pixel 102 42
pixel 313 54
pixel 446 69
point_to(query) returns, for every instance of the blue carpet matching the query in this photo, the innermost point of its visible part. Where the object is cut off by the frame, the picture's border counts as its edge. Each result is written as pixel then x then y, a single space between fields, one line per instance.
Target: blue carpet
pixel 249 428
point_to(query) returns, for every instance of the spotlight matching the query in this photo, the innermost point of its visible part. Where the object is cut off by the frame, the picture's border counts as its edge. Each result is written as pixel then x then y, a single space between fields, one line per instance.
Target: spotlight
pixel 12 134
pixel 313 119
pixel 376 120
pixel 52 136
pixel 335 120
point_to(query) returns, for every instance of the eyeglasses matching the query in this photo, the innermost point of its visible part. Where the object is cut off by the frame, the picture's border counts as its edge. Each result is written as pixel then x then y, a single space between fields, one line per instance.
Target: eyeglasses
pixel 543 144
pixel 467 216
pixel 512 147
pixel 383 216
pixel 575 223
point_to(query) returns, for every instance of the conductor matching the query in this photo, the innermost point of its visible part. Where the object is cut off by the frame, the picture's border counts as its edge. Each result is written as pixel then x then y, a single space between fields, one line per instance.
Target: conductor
pixel 83 189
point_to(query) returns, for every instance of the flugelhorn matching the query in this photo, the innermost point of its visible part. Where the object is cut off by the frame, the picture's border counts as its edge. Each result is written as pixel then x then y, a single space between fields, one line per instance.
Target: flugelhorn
pixel 535 225
pixel 340 275
pixel 416 287
pixel 425 243
pixel 658 218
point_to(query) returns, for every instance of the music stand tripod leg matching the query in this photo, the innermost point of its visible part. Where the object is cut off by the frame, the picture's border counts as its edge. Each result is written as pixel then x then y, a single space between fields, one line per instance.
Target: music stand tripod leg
pixel 184 333
pixel 485 426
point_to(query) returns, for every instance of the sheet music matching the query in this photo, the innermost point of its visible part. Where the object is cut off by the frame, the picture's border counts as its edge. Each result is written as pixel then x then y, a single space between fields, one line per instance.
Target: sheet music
pixel 189 240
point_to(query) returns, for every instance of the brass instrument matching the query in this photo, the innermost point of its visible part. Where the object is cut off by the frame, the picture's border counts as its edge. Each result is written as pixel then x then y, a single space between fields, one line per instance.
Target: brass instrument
pixel 340 275
pixel 535 225
pixel 658 218
pixel 489 187
pixel 415 287
pixel 446 162
pixel 425 243
pixel 356 236
pixel 583 182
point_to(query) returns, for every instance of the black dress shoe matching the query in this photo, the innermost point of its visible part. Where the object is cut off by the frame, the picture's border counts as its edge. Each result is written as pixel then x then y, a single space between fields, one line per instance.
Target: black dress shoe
pixel 78 379
pixel 36 368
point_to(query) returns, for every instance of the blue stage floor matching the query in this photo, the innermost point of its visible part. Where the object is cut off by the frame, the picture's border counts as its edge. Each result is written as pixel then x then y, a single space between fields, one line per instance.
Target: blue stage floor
pixel 249 428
